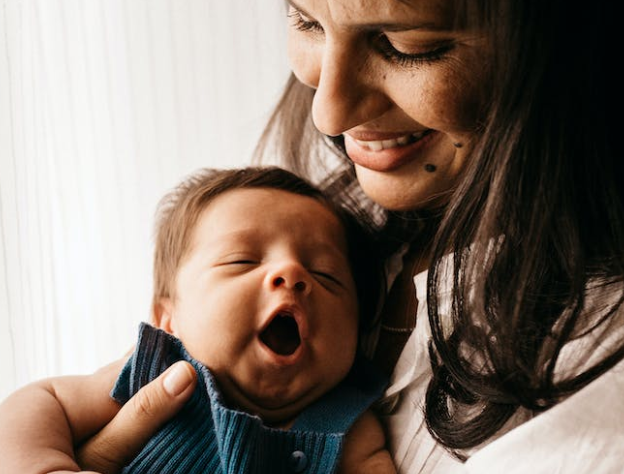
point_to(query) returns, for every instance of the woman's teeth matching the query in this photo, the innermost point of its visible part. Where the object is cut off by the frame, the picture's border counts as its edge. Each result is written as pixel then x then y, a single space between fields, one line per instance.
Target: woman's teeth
pixel 378 145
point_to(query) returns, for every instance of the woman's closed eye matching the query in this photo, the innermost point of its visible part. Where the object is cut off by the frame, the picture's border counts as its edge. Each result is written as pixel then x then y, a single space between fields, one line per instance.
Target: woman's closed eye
pixel 434 52
pixel 302 23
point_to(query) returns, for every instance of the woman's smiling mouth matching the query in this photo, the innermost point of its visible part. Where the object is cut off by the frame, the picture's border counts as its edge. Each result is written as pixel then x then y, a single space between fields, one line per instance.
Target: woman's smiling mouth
pixel 389 153
pixel 378 145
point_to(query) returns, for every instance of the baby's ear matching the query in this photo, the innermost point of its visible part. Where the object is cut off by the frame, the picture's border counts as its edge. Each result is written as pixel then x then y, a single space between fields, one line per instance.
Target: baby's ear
pixel 162 314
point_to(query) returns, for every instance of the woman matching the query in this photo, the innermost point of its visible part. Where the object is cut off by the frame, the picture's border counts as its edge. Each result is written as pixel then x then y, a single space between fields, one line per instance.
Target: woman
pixel 483 118
pixel 483 136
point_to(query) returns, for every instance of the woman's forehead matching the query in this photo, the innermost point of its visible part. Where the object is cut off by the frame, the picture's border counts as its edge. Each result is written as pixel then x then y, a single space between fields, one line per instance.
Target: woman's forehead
pixel 375 12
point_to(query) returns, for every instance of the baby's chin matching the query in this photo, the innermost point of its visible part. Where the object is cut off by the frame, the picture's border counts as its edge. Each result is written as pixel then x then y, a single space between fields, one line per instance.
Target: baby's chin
pixel 275 407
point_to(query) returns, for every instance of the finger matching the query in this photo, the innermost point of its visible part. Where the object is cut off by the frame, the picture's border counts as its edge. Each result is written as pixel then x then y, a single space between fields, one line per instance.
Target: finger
pixel 138 420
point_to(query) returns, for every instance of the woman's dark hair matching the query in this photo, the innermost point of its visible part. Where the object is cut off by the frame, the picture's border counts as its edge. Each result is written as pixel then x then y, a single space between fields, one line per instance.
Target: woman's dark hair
pixel 536 219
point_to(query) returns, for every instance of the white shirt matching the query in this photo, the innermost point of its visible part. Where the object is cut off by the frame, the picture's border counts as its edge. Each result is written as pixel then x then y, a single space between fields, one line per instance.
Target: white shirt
pixel 583 434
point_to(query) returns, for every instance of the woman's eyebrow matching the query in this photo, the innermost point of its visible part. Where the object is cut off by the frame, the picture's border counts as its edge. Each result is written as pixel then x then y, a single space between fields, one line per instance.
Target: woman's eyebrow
pixel 297 7
pixel 385 26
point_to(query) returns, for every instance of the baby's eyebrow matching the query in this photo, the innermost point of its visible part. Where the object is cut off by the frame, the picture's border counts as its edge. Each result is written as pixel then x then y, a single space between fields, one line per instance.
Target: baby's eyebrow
pixel 325 248
pixel 229 239
pixel 240 234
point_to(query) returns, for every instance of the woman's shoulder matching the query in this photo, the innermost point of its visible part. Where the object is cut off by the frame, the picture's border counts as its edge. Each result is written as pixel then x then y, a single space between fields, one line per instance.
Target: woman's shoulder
pixel 582 434
pixel 599 330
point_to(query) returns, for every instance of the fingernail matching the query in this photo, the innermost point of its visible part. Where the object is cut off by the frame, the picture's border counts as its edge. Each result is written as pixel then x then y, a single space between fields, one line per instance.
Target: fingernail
pixel 177 380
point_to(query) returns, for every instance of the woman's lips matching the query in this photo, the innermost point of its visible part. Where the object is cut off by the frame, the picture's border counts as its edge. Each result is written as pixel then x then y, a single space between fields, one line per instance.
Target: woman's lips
pixel 390 153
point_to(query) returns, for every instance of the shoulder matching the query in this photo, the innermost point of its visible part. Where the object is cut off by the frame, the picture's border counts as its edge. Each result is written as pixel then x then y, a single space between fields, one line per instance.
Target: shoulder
pixel 582 434
pixel 599 331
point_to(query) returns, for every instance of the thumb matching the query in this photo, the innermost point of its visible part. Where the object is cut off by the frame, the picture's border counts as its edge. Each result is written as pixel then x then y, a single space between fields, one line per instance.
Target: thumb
pixel 138 420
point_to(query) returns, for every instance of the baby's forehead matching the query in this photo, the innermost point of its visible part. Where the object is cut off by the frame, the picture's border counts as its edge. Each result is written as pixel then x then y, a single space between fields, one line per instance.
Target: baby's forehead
pixel 273 203
pixel 267 212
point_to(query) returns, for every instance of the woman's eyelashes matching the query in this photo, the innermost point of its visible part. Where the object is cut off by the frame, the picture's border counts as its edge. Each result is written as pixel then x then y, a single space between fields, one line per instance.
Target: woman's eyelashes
pixel 380 43
pixel 431 55
pixel 302 23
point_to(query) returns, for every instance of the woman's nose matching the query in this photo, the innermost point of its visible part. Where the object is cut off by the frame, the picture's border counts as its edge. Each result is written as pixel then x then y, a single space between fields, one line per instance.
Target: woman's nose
pixel 290 276
pixel 348 92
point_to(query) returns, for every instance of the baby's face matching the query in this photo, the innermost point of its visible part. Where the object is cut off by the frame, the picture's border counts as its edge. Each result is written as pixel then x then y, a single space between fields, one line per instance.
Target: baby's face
pixel 266 299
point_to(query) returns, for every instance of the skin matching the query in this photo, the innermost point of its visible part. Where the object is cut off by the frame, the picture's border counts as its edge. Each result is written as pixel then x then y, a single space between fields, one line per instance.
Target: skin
pixel 243 266
pixel 382 69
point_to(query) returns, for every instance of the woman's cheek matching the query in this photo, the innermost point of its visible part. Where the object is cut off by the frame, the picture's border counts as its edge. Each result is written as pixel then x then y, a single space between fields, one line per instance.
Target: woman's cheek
pixel 444 101
pixel 466 92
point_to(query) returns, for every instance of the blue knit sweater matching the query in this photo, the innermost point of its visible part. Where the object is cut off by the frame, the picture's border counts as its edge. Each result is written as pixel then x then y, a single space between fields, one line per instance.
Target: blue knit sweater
pixel 208 437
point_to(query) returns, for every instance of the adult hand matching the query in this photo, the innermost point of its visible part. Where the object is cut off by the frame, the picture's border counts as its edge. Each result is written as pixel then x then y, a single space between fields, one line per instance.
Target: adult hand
pixel 128 432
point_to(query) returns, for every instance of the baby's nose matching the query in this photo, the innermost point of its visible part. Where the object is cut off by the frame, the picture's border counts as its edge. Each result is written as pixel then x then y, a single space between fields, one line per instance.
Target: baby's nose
pixel 298 285
pixel 292 276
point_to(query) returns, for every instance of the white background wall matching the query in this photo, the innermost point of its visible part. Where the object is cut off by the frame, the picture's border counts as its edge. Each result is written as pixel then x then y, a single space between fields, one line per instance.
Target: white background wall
pixel 105 105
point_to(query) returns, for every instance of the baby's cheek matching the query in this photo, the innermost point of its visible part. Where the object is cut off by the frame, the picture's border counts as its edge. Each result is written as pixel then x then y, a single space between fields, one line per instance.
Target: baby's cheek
pixel 345 346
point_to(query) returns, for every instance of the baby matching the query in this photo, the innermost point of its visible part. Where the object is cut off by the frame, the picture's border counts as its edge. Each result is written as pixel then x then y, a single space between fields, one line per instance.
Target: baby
pixel 261 283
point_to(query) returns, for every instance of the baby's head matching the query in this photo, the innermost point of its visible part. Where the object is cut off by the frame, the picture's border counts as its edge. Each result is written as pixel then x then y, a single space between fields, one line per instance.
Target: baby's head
pixel 254 272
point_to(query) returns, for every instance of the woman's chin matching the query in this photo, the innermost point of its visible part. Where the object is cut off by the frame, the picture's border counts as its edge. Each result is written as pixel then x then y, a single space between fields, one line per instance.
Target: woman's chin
pixel 393 191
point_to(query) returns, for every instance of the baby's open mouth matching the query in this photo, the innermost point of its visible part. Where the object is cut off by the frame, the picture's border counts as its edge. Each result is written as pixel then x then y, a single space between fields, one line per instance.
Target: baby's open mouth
pixel 282 334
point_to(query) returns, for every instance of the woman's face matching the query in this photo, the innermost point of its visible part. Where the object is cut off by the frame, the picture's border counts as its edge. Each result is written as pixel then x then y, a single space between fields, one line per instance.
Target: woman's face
pixel 399 83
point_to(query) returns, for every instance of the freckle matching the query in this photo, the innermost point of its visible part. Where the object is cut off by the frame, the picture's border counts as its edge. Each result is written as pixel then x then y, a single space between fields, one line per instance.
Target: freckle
pixel 429 168
pixel 458 145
